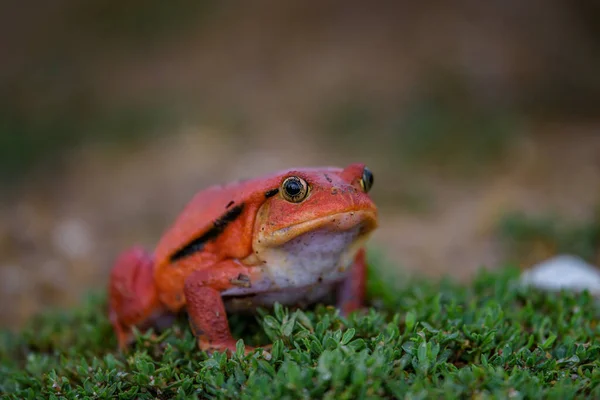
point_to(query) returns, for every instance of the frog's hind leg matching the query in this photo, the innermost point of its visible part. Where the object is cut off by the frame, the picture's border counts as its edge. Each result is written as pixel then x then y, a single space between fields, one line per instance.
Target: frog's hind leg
pixel 133 299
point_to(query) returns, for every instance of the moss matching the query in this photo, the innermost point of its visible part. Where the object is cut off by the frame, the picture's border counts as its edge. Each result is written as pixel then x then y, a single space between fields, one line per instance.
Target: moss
pixel 419 339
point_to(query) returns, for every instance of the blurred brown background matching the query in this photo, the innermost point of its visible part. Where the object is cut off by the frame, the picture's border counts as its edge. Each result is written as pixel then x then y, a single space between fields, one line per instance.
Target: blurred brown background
pixel 114 113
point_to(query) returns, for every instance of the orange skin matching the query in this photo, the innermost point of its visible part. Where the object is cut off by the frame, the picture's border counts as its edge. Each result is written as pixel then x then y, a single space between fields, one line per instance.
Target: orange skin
pixel 248 244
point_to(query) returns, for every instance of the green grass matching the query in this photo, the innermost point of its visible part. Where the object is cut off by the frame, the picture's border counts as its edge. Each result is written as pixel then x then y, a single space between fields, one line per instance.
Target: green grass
pixel 420 339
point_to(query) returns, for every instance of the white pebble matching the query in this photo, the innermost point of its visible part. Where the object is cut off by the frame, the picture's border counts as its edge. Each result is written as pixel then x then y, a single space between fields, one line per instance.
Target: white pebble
pixel 563 272
pixel 73 238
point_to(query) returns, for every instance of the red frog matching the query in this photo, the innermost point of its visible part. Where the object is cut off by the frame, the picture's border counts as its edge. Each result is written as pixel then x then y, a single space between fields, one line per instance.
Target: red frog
pixel 292 237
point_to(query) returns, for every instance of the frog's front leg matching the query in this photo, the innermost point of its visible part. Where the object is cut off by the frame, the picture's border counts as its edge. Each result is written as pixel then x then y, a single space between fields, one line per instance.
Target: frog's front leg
pixel 205 307
pixel 352 291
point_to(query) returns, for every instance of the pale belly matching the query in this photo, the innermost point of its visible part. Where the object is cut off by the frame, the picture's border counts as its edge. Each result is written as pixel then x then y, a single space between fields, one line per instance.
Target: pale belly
pixel 303 271
pixel 300 297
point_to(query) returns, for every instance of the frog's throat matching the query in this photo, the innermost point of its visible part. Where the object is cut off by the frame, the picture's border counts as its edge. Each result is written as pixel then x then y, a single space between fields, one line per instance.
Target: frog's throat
pixel 339 222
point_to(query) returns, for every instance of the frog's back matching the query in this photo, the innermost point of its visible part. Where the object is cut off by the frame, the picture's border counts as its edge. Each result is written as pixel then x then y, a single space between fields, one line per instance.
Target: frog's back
pixel 208 212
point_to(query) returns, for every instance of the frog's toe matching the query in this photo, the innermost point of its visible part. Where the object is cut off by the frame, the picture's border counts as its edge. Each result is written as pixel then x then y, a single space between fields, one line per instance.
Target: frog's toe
pixel 213 347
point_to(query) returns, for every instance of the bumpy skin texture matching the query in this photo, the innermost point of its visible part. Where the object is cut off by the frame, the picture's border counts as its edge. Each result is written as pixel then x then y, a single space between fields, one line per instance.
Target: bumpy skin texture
pixel 229 243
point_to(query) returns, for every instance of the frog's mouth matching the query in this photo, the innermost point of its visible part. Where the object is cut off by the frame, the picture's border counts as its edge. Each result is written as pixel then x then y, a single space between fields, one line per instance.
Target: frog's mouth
pixel 364 220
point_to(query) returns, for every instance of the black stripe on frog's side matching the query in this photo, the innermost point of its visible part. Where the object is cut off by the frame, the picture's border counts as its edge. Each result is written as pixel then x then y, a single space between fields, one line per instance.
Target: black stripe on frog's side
pixel 218 227
pixel 271 193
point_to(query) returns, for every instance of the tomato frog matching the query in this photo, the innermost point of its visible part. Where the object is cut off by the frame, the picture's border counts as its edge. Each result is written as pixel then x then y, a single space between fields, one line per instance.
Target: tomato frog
pixel 292 237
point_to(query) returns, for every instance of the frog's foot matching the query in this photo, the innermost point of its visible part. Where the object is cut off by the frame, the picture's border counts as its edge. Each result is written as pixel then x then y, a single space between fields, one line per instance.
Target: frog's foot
pixel 133 299
pixel 208 318
pixel 351 293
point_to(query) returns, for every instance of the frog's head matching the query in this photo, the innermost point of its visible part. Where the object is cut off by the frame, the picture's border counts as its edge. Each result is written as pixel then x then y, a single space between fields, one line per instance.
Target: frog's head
pixel 324 212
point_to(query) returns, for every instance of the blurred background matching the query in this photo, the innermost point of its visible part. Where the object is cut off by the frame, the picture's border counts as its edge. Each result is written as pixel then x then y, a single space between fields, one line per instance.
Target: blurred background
pixel 480 121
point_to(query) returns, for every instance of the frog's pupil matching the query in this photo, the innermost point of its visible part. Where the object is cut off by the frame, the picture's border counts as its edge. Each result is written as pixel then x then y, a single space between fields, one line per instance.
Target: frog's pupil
pixel 368 178
pixel 293 188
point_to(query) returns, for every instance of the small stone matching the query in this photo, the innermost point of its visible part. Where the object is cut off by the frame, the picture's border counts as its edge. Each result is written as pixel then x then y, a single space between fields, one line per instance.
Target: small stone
pixel 73 238
pixel 563 272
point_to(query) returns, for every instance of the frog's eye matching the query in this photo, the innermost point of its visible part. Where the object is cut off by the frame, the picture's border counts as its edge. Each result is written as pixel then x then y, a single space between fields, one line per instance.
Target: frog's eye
pixel 294 189
pixel 366 182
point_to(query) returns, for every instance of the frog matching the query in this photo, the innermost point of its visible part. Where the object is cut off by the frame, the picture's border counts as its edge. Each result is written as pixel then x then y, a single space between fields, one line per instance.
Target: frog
pixel 291 237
